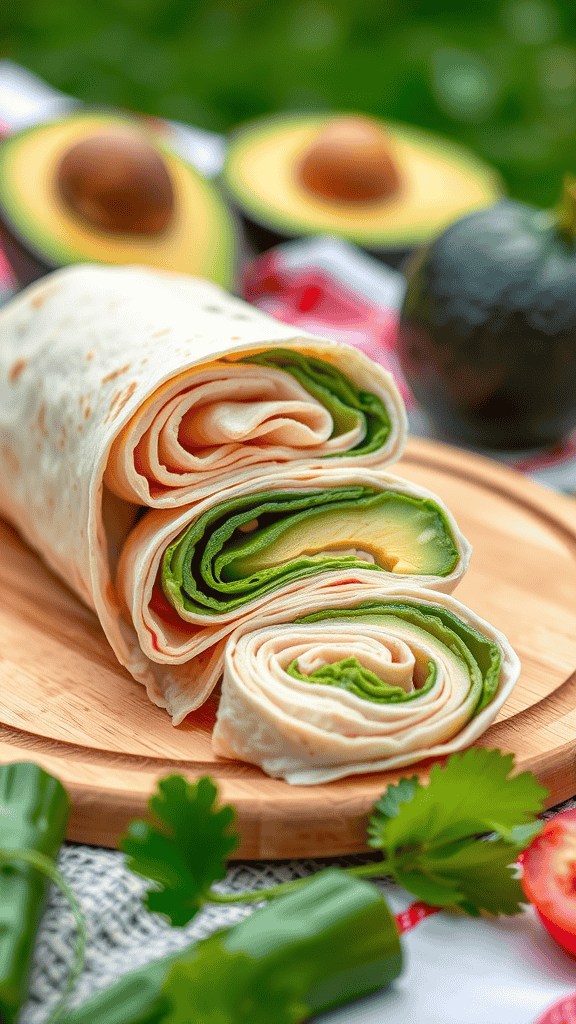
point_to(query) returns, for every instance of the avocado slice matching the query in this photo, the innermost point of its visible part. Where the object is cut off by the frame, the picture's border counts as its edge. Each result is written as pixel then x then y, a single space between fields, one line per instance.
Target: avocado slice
pixel 43 213
pixel 400 534
pixel 436 183
pixel 246 547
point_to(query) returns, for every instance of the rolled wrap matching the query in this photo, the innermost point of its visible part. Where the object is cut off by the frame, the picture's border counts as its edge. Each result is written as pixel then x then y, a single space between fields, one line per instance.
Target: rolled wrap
pixel 188 576
pixel 343 682
pixel 119 389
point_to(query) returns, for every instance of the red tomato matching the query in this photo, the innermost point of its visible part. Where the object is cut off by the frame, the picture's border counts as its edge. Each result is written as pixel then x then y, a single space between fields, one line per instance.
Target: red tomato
pixel 563 1010
pixel 549 878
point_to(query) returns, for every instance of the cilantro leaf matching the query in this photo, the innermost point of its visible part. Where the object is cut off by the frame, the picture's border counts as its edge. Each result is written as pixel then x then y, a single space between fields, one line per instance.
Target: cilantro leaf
pixel 390 803
pixel 184 847
pixel 220 987
pixel 430 839
pixel 483 872
pixel 470 795
pixel 438 892
pixel 522 835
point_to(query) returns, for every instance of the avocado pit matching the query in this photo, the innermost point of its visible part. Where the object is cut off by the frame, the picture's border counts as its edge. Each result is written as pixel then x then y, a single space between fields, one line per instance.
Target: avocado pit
pixel 116 182
pixel 350 161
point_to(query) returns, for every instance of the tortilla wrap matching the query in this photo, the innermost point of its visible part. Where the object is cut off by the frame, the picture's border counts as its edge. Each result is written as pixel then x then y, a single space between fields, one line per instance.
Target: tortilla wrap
pixel 343 683
pixel 176 623
pixel 132 402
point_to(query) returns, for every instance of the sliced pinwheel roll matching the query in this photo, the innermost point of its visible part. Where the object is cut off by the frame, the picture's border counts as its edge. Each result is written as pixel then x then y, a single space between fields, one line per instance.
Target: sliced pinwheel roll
pixel 186 577
pixel 122 389
pixel 234 418
pixel 358 680
pixel 185 462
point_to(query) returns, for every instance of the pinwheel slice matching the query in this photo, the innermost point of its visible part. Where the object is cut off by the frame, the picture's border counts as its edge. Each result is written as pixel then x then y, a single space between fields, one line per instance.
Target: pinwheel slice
pixel 236 418
pixel 372 679
pixel 187 577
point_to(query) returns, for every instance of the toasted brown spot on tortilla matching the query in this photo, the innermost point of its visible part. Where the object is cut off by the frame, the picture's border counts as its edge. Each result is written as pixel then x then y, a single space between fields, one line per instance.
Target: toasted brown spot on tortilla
pixel 16 369
pixel 112 596
pixel 158 334
pixel 115 373
pixel 90 355
pixel 39 300
pixel 125 398
pixel 86 412
pixel 50 501
pixel 10 458
pixel 236 337
pixel 41 420
pixel 112 404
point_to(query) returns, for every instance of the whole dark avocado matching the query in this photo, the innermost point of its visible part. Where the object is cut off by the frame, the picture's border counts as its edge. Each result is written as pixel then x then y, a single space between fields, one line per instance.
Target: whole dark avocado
pixel 487 335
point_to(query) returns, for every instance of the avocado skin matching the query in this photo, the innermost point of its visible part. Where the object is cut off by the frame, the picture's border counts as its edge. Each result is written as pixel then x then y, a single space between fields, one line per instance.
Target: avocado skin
pixel 261 239
pixel 25 267
pixel 487 335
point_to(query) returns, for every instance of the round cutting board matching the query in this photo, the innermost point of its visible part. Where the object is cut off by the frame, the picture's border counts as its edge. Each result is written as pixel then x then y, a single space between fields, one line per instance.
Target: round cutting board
pixel 67 704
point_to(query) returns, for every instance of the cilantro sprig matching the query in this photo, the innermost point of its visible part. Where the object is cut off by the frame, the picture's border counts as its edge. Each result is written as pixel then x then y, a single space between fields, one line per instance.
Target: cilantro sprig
pixel 429 834
pixel 429 837
pixel 183 848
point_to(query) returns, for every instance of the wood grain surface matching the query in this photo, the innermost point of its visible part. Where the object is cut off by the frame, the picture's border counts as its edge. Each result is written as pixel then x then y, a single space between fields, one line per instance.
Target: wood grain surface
pixel 67 704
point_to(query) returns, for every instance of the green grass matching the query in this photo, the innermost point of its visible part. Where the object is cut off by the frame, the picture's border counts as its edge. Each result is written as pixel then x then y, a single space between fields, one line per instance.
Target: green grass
pixel 498 77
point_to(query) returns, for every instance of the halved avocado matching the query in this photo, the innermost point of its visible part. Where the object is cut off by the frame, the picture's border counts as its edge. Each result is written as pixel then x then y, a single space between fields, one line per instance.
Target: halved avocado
pixel 99 188
pixel 384 186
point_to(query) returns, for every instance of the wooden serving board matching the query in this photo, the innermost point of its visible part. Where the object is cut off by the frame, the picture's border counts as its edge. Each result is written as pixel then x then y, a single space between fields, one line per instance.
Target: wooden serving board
pixel 66 703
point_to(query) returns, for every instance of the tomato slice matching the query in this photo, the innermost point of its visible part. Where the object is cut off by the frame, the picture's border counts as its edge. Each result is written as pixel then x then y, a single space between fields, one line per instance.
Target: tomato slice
pixel 549 878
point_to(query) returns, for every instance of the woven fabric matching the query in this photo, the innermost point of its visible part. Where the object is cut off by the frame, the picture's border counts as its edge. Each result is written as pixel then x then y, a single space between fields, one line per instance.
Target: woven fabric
pixel 121 933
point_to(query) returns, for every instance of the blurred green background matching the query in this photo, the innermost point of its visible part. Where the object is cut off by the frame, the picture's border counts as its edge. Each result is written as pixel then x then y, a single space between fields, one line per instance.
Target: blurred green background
pixel 498 77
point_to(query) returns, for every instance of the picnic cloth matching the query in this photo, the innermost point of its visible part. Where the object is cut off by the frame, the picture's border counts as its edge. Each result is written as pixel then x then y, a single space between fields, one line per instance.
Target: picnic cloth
pixel 458 970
